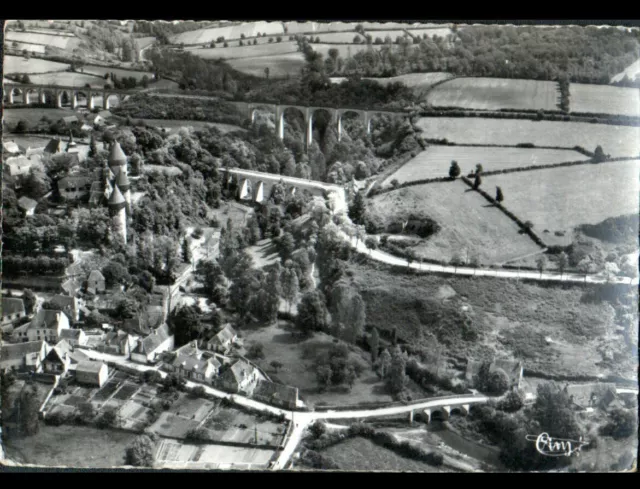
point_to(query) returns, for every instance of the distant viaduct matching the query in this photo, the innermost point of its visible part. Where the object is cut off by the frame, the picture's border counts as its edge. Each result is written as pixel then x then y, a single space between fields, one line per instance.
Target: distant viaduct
pixel 45 92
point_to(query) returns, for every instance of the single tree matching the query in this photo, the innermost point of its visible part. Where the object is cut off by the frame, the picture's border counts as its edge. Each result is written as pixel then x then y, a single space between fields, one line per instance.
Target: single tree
pixel 396 375
pixel 29 299
pixel 477 182
pixel 28 406
pixel 563 261
pixel 93 148
pixel 384 362
pixel 187 256
pixel 256 351
pixel 290 286
pixel 323 374
pixel 266 72
pixel 140 452
pixel 499 195
pixel 598 155
pixel 371 243
pixel 541 263
pixel 312 313
pixel 276 365
pixel 454 170
pixel 357 209
pixel 479 168
pixel 350 376
pixel 374 344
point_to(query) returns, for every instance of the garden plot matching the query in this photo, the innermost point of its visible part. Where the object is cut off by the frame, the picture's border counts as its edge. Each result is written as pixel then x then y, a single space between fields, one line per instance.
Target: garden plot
pixel 615 140
pixel 434 162
pixel 212 456
pixel 495 94
pixel 559 199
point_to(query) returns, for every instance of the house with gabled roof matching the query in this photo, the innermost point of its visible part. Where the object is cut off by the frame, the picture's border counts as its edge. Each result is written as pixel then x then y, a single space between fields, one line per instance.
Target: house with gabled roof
pixel 53 146
pixel 150 349
pixel 22 356
pixel 68 304
pixel 96 282
pixel 46 325
pixel 71 286
pixel 589 397
pixel 18 165
pixel 12 310
pixel 75 337
pixel 276 394
pixel 56 362
pixel 240 377
pixel 191 363
pixel 222 341
pixel 119 343
pixel 92 372
pixel 74 187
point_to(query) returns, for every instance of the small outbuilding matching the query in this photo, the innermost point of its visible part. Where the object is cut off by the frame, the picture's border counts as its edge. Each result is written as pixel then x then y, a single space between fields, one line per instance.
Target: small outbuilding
pixel 92 373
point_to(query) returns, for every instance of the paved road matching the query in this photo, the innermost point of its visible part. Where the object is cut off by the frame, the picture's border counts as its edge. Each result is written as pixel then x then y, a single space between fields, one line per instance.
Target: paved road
pixel 299 420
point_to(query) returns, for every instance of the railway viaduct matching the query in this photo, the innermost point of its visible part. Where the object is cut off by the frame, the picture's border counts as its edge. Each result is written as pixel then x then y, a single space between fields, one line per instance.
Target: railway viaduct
pixel 45 92
pixel 335 113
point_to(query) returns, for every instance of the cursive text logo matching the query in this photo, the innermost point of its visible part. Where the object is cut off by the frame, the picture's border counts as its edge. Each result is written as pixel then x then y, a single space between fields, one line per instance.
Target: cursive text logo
pixel 556 447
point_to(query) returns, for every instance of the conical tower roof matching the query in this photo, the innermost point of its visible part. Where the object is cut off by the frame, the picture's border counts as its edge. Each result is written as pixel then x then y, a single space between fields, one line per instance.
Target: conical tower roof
pixel 117 156
pixel 116 197
pixel 122 181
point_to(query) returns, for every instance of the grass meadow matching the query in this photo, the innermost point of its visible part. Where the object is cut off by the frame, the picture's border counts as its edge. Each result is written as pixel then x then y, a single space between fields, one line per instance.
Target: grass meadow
pixel 495 94
pixel 615 140
pixel 435 161
pixel 603 99
pixel 19 64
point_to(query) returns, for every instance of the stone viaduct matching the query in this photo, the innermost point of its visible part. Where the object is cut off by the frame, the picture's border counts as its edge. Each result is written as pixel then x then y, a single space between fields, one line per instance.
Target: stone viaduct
pixel 44 93
pixel 257 186
pixel 336 114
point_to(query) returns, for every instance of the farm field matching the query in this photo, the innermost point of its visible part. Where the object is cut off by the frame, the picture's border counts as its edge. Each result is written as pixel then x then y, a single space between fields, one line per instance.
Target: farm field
pixel 559 199
pixel 340 37
pixel 440 32
pixel 345 50
pixel 435 161
pixel 68 79
pixel 581 331
pixel 249 29
pixel 21 46
pixel 477 228
pixel 603 99
pixel 280 65
pixel 631 71
pixel 495 94
pixel 362 454
pixel 143 42
pixel 615 140
pixel 176 124
pixel 393 33
pixel 70 446
pixel 61 42
pixel 372 26
pixel 318 27
pixel 33 116
pixel 238 52
pixel 101 70
pixel 18 64
pixel 415 80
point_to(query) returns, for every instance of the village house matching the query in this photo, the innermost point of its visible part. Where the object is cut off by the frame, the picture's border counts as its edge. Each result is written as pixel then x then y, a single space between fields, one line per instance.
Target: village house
pixel 68 304
pixel 71 286
pixel 75 356
pixel 22 356
pixel 74 187
pixel 54 146
pixel 75 337
pixel 276 394
pixel 46 325
pixel 193 364
pixel 118 343
pixel 56 362
pixel 222 341
pixel 150 349
pixel 95 120
pixel 96 282
pixel 11 148
pixel 12 311
pixel 589 397
pixel 240 377
pixel 69 120
pixel 92 373
pixel 143 323
pixel 27 205
pixel 18 165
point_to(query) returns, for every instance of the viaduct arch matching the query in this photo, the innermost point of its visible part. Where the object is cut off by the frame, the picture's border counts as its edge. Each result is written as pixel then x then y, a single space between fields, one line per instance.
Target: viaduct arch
pixel 46 92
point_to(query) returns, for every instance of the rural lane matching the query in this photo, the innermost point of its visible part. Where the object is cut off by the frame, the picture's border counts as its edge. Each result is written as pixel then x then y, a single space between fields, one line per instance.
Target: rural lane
pixel 300 420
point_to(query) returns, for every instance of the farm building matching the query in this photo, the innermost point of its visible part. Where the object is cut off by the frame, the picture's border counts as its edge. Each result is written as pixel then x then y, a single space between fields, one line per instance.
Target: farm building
pixel 92 373
pixel 71 286
pixel 12 310
pixel 22 356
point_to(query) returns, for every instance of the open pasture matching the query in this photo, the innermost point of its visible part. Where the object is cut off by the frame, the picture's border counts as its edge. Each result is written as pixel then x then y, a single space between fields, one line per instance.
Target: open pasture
pixel 34 116
pixel 248 29
pixel 435 161
pixel 318 27
pixel 339 37
pixel 604 99
pixel 280 65
pixel 495 94
pixel 21 46
pixel 61 42
pixel 615 140
pixel 469 225
pixel 68 79
pixel 415 80
pixel 345 50
pixel 234 51
pixel 559 199
pixel 440 32
pixel 392 33
pixel 19 64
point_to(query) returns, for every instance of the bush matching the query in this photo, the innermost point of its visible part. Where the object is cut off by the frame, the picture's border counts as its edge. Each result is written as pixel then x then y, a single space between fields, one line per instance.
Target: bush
pixel 198 391
pixel 512 402
pixel 318 461
pixel 56 419
pixel 318 429
pixel 622 425
pixel 497 382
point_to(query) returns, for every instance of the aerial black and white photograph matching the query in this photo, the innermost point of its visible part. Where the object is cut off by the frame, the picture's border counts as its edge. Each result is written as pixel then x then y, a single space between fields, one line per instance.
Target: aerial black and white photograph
pixel 320 246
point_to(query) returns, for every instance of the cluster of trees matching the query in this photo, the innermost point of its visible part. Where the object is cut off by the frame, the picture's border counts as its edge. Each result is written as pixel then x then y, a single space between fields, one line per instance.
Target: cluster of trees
pixel 335 368
pixel 126 82
pixel 563 85
pixel 13 265
pixel 495 383
pixel 585 54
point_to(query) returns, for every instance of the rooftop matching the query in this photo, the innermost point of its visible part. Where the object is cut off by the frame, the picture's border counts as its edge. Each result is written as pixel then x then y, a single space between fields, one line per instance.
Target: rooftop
pixel 89 366
pixel 12 305
pixel 19 350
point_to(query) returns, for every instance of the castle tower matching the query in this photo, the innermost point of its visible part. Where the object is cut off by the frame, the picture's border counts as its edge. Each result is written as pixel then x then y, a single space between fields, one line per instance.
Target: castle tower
pixel 117 159
pixel 122 182
pixel 117 205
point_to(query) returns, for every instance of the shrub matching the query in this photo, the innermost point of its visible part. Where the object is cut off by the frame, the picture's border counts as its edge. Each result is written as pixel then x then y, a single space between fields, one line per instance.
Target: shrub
pixel 318 461
pixel 198 391
pixel 318 429
pixel 56 419
pixel 512 402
